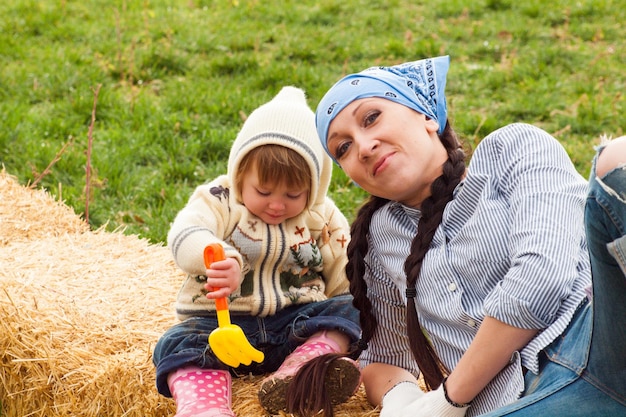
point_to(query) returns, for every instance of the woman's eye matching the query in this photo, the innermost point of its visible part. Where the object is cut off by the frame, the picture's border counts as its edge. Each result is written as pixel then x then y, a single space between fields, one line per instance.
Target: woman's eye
pixel 341 149
pixel 370 117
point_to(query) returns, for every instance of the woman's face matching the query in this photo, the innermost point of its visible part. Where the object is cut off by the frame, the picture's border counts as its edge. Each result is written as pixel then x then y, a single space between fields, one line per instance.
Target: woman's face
pixel 389 150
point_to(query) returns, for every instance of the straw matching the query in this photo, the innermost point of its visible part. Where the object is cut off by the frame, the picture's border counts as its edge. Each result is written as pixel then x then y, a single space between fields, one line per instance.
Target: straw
pixel 80 313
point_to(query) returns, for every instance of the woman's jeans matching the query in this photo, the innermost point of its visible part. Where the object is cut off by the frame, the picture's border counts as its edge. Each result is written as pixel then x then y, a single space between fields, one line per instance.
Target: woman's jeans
pixel 186 343
pixel 583 373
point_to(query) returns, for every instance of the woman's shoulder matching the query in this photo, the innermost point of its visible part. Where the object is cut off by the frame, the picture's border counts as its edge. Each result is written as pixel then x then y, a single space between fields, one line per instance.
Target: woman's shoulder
pixel 516 135
pixel 518 141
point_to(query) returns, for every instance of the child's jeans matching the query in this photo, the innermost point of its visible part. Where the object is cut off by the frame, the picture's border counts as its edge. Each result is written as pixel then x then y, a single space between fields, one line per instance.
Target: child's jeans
pixel 578 378
pixel 186 343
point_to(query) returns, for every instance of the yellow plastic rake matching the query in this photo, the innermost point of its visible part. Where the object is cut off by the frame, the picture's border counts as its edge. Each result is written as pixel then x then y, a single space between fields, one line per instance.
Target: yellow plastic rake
pixel 228 341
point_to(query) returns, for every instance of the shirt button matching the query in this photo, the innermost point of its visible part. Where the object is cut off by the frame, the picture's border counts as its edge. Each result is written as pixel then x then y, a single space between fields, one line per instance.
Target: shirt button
pixel 471 323
pixel 451 287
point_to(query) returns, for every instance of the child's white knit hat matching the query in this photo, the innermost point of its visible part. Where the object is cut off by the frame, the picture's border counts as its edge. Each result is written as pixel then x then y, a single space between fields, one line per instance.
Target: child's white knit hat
pixel 286 120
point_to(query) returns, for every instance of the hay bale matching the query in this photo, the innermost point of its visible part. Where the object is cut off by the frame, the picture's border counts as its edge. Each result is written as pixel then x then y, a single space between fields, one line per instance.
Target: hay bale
pixel 32 214
pixel 81 311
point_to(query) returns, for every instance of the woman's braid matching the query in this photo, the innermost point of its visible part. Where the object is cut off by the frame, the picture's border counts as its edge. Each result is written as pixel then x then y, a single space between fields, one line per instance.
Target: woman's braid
pixel 431 214
pixel 307 394
pixel 355 269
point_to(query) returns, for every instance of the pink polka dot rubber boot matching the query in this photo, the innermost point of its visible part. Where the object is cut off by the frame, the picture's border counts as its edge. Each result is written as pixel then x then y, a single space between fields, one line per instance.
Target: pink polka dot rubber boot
pixel 201 392
pixel 344 376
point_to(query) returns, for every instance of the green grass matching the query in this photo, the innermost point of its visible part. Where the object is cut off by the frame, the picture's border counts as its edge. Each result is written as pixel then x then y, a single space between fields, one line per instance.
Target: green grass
pixel 177 76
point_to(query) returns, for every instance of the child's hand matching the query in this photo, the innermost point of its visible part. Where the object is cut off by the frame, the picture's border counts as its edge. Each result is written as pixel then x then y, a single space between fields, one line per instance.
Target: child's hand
pixel 222 278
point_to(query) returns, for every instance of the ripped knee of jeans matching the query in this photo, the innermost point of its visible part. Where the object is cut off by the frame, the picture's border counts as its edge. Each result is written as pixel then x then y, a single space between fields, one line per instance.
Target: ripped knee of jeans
pixel 619 193
pixel 612 157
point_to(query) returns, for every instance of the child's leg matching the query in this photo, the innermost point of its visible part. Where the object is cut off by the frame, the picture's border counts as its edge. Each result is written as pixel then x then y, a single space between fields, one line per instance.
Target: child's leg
pixel 327 341
pixel 343 378
pixel 201 392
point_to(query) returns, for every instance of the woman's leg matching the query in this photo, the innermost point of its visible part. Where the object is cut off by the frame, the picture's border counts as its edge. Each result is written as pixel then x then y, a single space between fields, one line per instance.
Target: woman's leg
pixel 605 219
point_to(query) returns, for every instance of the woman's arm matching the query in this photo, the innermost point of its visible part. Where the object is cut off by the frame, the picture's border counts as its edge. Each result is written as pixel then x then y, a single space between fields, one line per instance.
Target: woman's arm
pixel 378 378
pixel 490 351
pixel 544 197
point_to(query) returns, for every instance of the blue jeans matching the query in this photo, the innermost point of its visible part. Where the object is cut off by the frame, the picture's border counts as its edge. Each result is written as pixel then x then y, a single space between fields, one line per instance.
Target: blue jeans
pixel 583 372
pixel 186 343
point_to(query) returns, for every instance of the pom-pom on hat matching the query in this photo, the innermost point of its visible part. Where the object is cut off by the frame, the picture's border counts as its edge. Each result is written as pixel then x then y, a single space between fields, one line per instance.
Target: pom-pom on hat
pixel 286 120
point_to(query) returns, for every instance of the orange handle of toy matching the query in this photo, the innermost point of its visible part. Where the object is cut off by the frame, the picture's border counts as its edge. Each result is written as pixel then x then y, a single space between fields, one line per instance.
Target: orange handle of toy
pixel 212 253
pixel 228 340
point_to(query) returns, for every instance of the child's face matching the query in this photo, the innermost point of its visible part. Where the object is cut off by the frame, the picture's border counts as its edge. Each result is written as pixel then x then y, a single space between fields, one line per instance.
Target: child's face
pixel 272 203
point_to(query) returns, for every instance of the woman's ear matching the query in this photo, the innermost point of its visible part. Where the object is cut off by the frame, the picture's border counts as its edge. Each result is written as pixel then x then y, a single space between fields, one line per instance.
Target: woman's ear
pixel 431 125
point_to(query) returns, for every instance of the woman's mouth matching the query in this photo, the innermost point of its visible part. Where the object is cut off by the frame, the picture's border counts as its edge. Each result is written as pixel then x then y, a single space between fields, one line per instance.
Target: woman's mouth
pixel 381 164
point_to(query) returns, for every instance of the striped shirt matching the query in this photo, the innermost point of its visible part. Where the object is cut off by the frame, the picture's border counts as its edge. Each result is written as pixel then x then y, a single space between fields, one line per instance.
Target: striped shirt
pixel 511 246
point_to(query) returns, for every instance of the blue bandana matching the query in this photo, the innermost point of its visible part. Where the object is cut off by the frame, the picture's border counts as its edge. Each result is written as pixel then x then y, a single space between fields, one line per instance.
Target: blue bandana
pixel 419 85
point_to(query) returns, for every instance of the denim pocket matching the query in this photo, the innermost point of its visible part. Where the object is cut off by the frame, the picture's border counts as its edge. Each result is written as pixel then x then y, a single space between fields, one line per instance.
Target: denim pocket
pixel 571 348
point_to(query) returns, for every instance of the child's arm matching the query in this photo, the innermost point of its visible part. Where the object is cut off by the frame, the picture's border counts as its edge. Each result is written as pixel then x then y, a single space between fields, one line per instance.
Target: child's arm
pixel 206 218
pixel 333 245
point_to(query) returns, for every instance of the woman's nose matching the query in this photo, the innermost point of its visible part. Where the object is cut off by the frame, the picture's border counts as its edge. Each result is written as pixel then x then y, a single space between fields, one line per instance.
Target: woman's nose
pixel 366 146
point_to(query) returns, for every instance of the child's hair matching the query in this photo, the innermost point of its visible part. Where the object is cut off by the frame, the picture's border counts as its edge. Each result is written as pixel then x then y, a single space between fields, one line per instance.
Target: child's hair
pixel 276 164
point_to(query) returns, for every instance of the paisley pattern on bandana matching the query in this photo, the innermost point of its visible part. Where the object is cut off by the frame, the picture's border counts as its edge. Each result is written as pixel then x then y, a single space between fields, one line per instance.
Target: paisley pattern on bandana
pixel 419 85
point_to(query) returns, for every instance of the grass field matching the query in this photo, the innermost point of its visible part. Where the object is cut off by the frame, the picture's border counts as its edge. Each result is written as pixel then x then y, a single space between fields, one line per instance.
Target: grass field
pixel 174 80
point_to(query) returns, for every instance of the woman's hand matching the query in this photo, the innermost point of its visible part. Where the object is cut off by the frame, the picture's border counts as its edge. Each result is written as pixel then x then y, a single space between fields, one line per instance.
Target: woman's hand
pixel 222 278
pixel 431 404
pixel 400 396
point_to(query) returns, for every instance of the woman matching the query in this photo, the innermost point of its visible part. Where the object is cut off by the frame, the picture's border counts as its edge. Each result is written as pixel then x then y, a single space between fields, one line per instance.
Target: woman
pixel 477 276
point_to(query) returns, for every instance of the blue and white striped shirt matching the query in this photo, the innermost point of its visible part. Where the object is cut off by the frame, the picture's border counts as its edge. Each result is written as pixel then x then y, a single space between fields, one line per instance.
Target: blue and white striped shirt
pixel 511 246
